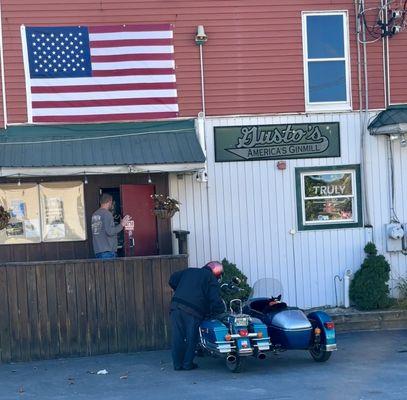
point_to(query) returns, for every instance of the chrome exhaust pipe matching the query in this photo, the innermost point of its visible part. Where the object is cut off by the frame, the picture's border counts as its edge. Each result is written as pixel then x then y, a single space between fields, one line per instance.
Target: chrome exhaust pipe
pixel 261 356
pixel 231 358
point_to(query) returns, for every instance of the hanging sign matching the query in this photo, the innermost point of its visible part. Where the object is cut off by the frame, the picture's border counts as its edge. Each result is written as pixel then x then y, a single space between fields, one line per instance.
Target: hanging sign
pixel 129 225
pixel 276 142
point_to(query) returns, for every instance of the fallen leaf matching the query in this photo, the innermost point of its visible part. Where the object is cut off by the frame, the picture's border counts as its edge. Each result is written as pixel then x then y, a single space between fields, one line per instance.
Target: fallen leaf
pixel 125 376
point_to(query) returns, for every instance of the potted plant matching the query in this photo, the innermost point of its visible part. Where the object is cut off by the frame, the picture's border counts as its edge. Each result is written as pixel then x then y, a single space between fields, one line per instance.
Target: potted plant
pixel 4 218
pixel 164 206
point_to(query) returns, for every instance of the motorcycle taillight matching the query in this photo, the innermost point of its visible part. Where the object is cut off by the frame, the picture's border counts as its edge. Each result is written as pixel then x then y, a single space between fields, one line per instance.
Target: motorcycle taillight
pixel 329 325
pixel 243 332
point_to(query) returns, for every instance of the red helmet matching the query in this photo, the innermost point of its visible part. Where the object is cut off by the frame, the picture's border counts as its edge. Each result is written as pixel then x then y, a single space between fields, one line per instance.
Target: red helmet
pixel 216 267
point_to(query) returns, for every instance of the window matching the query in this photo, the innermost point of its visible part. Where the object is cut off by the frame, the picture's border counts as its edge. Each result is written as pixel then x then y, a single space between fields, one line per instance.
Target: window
pixel 329 197
pixel 21 201
pixel 62 211
pixel 326 61
pixel 49 212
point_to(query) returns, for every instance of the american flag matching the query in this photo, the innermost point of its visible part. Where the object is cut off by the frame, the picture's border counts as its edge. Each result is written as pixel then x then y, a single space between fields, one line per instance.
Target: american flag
pixel 99 73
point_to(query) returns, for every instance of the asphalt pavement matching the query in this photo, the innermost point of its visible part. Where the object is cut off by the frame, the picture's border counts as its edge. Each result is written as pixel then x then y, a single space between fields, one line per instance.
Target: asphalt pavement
pixel 367 365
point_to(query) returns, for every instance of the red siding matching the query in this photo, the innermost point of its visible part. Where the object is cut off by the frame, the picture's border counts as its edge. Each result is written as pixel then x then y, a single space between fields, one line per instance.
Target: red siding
pixel 398 69
pixel 253 58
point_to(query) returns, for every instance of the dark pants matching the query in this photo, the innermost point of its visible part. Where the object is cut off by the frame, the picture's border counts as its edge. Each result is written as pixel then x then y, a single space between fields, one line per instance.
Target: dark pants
pixel 185 336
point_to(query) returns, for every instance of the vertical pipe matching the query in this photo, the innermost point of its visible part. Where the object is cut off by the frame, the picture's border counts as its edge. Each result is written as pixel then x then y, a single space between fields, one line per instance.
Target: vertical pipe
pixel 3 79
pixel 346 284
pixel 202 80
pixel 364 109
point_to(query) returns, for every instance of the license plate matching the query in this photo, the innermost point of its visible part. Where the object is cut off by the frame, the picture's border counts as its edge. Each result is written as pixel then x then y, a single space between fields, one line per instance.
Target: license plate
pixel 241 321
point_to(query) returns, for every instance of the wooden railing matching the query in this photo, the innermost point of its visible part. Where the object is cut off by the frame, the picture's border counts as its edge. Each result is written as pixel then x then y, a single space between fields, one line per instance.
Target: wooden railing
pixel 85 307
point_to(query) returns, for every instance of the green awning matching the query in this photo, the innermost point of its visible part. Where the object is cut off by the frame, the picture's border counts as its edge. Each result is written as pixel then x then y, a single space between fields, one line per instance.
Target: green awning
pixel 143 143
pixel 393 120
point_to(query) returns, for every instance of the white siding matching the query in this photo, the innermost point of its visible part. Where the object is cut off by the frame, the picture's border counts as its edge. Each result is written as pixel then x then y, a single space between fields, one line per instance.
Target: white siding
pixel 247 209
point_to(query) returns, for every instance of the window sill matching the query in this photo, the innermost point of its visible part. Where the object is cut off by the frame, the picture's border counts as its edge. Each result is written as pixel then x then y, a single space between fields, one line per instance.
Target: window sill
pixel 323 108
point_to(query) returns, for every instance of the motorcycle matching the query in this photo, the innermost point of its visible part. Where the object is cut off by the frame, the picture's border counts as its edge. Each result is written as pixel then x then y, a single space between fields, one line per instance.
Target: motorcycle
pixel 290 328
pixel 235 336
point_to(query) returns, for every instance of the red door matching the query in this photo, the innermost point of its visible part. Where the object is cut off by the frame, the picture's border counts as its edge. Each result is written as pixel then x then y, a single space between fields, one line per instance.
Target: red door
pixel 140 238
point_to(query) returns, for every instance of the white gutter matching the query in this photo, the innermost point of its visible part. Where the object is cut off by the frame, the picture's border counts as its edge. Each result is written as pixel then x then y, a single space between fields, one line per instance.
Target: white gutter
pixel 25 172
pixel 3 79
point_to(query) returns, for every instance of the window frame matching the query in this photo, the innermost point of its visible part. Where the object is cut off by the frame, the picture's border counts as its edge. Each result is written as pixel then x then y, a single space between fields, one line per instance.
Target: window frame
pixel 300 173
pixel 327 105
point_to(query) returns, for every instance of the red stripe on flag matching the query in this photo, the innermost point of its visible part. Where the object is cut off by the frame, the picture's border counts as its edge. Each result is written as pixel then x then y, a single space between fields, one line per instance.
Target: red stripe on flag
pixel 133 57
pixel 135 72
pixel 129 28
pixel 129 42
pixel 105 118
pixel 103 88
pixel 104 102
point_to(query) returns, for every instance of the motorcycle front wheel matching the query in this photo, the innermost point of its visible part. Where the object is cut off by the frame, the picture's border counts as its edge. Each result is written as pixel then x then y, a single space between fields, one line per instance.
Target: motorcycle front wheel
pixel 235 366
pixel 320 355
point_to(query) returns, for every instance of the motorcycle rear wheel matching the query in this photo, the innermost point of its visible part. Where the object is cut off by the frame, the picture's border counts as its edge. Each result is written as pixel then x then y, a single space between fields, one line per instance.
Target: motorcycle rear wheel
pixel 236 366
pixel 320 355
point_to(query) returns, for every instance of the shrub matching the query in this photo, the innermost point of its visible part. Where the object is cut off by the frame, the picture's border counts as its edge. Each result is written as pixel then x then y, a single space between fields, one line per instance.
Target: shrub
pixel 369 289
pixel 402 287
pixel 230 271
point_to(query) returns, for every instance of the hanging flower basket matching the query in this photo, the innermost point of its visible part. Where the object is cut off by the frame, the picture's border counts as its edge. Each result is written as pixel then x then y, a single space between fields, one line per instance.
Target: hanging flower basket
pixel 164 214
pixel 164 206
pixel 4 218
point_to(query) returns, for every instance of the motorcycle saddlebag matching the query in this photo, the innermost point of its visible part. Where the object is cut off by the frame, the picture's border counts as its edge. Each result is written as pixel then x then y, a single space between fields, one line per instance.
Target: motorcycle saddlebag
pixel 290 328
pixel 213 330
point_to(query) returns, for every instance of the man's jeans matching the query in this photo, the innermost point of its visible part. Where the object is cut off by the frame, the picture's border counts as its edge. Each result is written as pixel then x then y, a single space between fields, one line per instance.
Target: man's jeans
pixel 106 254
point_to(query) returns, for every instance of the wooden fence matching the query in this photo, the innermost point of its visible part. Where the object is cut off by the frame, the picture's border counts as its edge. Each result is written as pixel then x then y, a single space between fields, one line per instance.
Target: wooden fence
pixel 85 307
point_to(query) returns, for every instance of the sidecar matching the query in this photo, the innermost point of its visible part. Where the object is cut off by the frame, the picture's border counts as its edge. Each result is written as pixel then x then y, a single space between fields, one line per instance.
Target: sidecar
pixel 290 328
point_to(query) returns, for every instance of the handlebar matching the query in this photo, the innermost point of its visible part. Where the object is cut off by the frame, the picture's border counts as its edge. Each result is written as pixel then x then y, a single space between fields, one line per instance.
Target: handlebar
pixel 230 287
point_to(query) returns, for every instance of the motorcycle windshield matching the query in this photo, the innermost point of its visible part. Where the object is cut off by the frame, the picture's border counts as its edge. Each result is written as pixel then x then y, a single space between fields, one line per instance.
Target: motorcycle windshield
pixel 267 287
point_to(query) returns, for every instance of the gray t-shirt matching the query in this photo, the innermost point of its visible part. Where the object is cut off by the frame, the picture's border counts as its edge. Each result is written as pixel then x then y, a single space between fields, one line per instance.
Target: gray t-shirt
pixel 104 231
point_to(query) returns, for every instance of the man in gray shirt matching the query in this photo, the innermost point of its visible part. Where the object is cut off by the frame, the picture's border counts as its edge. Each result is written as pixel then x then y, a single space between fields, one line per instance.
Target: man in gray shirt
pixel 104 230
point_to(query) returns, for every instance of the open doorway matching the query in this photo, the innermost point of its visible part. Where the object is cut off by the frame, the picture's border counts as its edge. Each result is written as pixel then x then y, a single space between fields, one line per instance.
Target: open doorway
pixel 117 215
pixel 140 237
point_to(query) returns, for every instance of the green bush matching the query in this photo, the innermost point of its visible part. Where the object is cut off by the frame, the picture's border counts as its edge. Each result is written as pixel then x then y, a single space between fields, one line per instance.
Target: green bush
pixel 369 289
pixel 231 271
pixel 402 287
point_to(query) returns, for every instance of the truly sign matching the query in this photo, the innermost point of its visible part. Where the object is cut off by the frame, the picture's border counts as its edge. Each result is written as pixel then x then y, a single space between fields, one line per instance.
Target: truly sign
pixel 276 142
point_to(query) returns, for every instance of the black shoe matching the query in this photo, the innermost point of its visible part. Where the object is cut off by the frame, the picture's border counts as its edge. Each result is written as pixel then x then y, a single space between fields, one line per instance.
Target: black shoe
pixel 193 366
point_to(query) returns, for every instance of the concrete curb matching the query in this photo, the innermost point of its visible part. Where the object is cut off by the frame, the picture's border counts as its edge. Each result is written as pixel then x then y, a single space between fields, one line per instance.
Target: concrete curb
pixel 370 320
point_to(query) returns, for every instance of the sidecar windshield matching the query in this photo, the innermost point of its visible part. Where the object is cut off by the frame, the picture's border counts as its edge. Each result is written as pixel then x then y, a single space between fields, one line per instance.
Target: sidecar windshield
pixel 267 287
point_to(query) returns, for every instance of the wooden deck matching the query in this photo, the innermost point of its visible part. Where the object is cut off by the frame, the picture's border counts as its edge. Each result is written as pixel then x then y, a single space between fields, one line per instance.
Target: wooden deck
pixel 85 307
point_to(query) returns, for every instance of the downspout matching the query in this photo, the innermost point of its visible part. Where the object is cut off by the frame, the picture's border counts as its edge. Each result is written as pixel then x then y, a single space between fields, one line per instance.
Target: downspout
pixel 200 39
pixel 386 65
pixel 3 79
pixel 363 109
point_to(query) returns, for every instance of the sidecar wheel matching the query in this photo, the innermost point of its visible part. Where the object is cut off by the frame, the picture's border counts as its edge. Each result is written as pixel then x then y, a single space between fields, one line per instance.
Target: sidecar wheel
pixel 236 366
pixel 320 355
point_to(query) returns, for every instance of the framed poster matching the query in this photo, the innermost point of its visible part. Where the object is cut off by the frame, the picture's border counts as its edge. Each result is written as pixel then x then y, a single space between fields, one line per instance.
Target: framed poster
pixel 329 197
pixel 22 202
pixel 62 211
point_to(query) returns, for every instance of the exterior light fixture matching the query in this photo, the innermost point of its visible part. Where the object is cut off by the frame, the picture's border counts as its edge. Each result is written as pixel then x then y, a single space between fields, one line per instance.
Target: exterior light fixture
pixel 200 38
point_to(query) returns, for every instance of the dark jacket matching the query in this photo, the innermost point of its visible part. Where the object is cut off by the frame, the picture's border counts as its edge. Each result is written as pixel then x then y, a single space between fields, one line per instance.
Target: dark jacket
pixel 198 289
